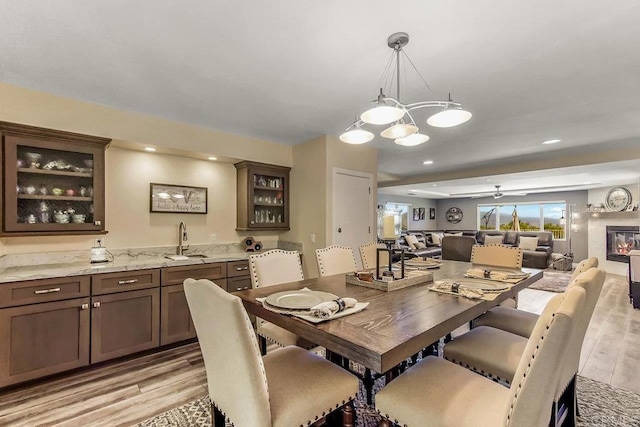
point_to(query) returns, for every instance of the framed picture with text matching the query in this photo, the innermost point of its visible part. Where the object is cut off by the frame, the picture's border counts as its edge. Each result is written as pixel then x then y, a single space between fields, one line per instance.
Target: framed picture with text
pixel 168 198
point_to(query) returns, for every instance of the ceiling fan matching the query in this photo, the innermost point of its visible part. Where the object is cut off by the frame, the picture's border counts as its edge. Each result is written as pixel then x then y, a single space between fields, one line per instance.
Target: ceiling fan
pixel 498 194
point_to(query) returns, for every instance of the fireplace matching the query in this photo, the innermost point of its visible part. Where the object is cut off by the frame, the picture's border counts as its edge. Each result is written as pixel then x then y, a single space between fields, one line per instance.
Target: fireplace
pixel 621 240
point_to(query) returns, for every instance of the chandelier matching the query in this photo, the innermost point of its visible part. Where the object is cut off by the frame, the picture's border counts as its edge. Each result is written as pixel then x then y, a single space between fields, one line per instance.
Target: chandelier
pixel 390 111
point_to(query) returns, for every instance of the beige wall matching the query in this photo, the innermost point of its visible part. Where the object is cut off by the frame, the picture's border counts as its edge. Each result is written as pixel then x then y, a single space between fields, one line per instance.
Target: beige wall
pixel 29 107
pixel 308 200
pixel 128 220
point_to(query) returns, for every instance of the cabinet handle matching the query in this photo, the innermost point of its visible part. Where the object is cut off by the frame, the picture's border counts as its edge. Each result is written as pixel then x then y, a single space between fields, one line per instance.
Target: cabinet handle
pixel 84 306
pixel 47 291
pixel 96 304
pixel 127 282
pixel 242 268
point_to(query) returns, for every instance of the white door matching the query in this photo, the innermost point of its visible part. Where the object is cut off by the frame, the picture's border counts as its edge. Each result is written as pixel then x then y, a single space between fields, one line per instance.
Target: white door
pixel 352 210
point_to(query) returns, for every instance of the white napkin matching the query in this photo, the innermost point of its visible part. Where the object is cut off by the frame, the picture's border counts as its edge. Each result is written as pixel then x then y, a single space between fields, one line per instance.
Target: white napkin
pixel 327 309
pixel 499 275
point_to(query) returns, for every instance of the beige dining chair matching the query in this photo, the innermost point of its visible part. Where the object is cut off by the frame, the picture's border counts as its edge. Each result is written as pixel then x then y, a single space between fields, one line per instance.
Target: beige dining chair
pixel 496 353
pixel 436 392
pixel 368 255
pixel 497 255
pixel 335 260
pixel 273 268
pixel 521 322
pixel 288 387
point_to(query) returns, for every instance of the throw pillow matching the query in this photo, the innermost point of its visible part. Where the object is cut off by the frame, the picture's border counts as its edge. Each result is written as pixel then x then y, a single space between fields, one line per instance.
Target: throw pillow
pixel 421 245
pixel 411 240
pixel 453 234
pixel 489 240
pixel 437 238
pixel 528 243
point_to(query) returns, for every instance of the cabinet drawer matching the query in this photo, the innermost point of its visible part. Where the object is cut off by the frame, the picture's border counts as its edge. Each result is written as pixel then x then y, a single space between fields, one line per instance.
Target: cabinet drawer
pixel 238 284
pixel 44 290
pixel 109 283
pixel 176 275
pixel 237 268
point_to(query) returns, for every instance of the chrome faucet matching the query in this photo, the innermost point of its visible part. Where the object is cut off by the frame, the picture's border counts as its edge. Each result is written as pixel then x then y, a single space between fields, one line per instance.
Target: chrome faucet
pixel 182 237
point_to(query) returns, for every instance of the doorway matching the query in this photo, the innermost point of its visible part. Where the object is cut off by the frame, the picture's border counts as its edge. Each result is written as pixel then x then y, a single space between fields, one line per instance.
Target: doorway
pixel 352 209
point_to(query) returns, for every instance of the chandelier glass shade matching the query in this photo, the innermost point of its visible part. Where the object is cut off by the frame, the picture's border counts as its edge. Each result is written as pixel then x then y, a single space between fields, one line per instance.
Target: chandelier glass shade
pixel 387 110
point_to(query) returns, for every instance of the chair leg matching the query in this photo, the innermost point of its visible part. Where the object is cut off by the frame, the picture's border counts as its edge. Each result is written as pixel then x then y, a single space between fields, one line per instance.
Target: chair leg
pixel 348 415
pixel 217 418
pixel 263 345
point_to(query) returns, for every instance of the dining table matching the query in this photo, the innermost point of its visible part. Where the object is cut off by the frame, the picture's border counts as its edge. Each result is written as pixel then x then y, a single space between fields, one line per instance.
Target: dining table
pixel 395 325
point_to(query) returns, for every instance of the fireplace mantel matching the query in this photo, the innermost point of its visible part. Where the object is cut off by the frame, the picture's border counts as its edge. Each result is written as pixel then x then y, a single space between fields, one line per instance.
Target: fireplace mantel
pixel 614 215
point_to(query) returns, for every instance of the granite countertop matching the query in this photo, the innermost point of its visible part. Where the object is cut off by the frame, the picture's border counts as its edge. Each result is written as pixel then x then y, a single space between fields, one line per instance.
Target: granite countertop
pixel 120 263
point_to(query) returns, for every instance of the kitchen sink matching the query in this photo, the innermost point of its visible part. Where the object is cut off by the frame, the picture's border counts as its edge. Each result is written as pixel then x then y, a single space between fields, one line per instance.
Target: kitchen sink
pixel 186 257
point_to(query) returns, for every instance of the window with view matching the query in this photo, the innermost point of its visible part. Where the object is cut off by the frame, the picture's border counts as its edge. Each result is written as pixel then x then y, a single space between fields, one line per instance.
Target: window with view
pixel 536 216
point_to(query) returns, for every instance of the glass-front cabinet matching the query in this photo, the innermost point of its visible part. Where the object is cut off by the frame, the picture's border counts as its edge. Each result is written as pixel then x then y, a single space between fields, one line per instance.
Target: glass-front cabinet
pixel 263 196
pixel 53 181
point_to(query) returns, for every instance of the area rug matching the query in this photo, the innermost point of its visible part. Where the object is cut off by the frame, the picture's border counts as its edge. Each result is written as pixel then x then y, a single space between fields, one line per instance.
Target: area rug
pixel 553 281
pixel 600 405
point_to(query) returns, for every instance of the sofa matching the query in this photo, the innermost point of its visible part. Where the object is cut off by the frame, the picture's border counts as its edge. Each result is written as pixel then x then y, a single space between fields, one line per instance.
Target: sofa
pixel 537 245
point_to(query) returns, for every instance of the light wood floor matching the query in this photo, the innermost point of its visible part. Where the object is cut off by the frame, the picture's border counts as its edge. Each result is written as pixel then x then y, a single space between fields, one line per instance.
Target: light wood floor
pixel 127 392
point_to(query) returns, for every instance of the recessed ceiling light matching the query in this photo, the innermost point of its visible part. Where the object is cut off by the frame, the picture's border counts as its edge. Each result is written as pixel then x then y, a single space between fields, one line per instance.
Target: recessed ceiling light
pixel 551 141
pixel 152 149
pixel 212 158
pixel 427 162
pixel 434 185
pixel 488 179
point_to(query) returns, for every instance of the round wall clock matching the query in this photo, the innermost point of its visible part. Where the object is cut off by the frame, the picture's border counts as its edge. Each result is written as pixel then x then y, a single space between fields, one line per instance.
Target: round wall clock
pixel 618 198
pixel 453 215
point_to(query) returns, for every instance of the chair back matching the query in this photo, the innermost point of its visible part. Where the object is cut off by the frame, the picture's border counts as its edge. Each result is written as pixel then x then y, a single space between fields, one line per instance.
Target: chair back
pixel 497 255
pixel 583 266
pixel 592 281
pixel 275 267
pixel 335 260
pixel 457 248
pixel 230 351
pixel 533 387
pixel 368 255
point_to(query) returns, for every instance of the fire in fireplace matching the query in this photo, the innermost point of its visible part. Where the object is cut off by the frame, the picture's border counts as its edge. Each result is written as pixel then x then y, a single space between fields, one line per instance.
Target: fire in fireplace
pixel 621 240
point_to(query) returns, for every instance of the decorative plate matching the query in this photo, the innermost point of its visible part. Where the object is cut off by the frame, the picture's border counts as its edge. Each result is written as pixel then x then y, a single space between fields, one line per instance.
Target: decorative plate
pixel 298 300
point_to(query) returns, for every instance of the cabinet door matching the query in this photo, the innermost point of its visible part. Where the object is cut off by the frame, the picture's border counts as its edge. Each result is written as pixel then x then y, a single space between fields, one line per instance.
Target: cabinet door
pixel 43 339
pixel 175 324
pixel 53 183
pixel 124 323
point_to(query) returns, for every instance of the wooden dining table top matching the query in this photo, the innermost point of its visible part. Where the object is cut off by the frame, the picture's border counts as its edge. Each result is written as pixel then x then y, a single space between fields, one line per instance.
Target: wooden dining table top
pixel 395 325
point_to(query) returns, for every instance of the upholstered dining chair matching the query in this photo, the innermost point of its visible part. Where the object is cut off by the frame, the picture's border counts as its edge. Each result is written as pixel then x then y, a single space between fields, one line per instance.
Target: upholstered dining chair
pixel 496 353
pixel 436 392
pixel 273 268
pixel 368 255
pixel 288 387
pixel 457 248
pixel 335 260
pixel 521 322
pixel 497 255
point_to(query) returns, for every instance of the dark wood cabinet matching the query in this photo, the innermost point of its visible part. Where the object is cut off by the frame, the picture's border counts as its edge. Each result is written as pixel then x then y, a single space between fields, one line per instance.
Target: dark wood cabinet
pixel 43 339
pixel 124 323
pixel 175 323
pixel 52 181
pixel 263 196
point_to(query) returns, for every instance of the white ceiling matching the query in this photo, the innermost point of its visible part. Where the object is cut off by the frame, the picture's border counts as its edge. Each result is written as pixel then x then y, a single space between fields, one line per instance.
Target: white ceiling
pixel 291 70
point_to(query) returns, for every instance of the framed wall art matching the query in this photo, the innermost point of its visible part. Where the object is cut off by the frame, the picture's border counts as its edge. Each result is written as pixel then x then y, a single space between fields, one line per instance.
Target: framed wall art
pixel 432 213
pixel 169 198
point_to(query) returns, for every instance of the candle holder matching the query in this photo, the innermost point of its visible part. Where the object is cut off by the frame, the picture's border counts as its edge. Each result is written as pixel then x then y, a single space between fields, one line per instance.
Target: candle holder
pixel 389 251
